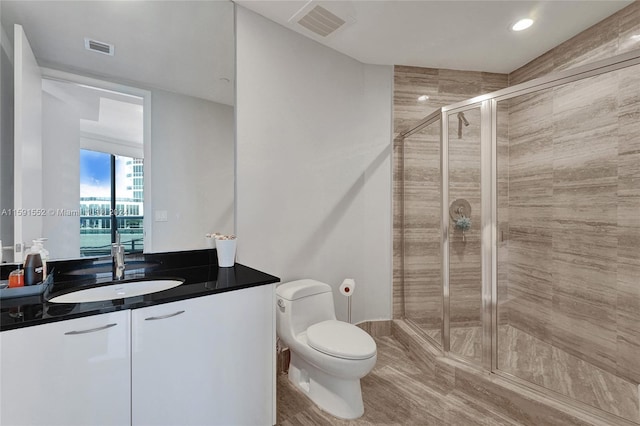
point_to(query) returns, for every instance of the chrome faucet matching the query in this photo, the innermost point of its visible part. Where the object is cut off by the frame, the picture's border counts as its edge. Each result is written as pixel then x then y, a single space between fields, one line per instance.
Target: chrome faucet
pixel 117 252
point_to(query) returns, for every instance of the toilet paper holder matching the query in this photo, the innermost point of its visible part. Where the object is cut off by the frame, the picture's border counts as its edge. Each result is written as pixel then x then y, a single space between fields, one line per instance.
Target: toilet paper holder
pixel 346 289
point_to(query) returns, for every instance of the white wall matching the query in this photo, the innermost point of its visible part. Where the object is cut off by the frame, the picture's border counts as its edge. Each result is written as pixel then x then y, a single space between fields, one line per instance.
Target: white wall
pixel 60 176
pixel 192 167
pixel 6 143
pixel 27 132
pixel 314 164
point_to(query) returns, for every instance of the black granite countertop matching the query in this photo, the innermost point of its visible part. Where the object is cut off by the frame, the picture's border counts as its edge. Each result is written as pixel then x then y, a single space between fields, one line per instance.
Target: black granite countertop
pixel 199 270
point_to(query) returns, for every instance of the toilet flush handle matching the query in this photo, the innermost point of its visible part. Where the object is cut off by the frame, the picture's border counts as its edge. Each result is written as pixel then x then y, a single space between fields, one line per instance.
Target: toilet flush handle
pixel 281 304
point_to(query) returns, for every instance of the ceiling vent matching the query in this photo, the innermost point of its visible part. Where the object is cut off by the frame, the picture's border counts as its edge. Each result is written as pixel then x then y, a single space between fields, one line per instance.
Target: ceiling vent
pixel 320 21
pixel 98 46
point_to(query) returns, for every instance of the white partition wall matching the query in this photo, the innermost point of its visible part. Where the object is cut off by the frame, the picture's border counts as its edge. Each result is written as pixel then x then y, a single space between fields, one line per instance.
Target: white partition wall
pixel 313 164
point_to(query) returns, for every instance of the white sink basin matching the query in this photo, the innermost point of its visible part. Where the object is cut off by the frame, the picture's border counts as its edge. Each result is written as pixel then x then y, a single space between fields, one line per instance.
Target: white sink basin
pixel 116 291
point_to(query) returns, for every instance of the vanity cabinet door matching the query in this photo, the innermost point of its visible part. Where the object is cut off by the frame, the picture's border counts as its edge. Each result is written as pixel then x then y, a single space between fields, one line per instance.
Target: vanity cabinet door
pixel 74 372
pixel 205 361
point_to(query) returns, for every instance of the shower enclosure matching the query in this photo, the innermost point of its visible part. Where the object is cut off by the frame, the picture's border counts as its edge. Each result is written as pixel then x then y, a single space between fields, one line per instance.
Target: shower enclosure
pixel 521 234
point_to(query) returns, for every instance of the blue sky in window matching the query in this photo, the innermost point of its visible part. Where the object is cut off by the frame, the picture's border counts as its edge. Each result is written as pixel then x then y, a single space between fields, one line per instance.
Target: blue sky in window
pixel 95 175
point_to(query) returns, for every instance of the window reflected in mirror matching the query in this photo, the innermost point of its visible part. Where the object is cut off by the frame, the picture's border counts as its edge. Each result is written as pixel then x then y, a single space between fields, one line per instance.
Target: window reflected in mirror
pixel 110 202
pixel 99 134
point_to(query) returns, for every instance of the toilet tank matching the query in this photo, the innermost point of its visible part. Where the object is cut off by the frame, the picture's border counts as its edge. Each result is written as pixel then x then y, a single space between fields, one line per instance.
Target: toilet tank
pixel 304 303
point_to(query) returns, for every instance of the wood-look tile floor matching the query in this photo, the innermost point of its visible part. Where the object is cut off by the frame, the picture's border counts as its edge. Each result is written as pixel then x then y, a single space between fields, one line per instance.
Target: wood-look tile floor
pixel 396 392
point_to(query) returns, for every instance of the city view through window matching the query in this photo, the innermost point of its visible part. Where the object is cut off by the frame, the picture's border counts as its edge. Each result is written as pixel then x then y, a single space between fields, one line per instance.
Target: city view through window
pixel 110 195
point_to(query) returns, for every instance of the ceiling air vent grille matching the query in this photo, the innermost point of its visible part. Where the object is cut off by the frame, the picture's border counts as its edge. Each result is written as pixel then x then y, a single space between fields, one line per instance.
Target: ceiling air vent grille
pixel 321 21
pixel 98 46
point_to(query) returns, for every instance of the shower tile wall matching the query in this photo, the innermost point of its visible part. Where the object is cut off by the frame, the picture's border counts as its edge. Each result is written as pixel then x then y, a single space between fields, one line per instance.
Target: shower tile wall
pixel 417 286
pixel 574 202
pixel 628 232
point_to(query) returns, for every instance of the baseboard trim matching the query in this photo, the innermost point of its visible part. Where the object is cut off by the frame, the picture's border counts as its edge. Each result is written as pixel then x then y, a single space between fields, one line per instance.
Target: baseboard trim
pixel 379 328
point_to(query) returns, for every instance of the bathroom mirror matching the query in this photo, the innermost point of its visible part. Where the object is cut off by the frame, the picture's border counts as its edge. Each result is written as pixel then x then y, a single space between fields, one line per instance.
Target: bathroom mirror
pixel 182 55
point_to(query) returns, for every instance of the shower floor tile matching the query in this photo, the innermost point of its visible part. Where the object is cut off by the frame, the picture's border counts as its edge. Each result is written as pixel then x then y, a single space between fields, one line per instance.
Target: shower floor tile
pixel 531 359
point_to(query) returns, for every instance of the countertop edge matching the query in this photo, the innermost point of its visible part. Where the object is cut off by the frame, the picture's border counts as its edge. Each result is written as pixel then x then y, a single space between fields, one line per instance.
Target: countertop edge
pixel 204 288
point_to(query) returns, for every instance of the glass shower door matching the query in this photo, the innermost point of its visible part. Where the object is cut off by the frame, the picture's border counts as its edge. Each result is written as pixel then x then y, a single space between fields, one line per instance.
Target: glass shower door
pixel 465 310
pixel 568 231
pixel 422 255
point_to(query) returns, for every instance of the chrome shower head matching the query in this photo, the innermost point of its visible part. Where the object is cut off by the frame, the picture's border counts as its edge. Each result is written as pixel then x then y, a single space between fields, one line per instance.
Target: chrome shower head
pixel 463 119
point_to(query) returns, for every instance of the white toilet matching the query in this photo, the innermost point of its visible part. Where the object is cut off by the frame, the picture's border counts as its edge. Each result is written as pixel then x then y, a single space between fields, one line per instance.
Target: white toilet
pixel 328 357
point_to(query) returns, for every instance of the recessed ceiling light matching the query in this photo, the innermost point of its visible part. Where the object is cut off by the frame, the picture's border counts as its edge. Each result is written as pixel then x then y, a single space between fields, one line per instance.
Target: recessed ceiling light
pixel 423 98
pixel 522 24
pixel 635 37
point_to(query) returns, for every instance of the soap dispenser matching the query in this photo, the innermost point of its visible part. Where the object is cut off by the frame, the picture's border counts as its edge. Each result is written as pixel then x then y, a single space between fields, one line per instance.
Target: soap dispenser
pixel 32 269
pixel 38 247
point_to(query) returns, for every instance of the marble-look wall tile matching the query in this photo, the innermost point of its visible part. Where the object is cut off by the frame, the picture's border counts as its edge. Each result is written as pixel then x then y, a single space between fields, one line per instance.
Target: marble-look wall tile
pixel 542 65
pixel 492 82
pixel 376 328
pixel 584 218
pixel 593 44
pixel 453 84
pixel 421 351
pixel 530 197
pixel 409 83
pixel 628 231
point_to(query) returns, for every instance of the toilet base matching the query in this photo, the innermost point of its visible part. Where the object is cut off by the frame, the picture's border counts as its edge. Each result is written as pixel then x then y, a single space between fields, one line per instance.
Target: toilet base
pixel 339 397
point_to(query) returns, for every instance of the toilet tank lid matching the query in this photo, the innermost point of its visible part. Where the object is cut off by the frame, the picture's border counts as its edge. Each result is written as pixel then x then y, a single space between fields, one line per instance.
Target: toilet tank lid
pixel 301 288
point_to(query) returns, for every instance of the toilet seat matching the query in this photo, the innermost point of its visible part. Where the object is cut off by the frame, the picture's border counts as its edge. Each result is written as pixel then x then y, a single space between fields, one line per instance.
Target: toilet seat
pixel 341 340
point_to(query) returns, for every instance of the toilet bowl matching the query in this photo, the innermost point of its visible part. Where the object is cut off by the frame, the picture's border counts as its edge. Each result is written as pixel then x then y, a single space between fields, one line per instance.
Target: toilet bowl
pixel 328 357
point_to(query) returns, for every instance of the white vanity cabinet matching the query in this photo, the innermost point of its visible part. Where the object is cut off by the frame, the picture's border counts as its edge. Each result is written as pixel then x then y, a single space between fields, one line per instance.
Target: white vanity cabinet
pixel 205 361
pixel 73 372
pixel 208 360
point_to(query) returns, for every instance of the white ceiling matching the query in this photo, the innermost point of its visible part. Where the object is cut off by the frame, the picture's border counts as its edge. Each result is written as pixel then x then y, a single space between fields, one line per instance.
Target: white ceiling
pixel 188 47
pixel 182 46
pixel 463 35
